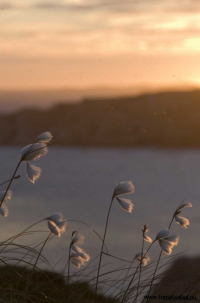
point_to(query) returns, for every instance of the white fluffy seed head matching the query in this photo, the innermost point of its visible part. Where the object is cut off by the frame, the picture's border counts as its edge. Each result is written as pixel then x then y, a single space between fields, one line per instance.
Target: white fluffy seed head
pixel 163 234
pixel 125 187
pixel 8 195
pixel 57 229
pixel 62 226
pixel 80 252
pixel 173 239
pixel 78 239
pixel 44 137
pixel 168 243
pixel 141 255
pixel 54 228
pixel 147 238
pixel 4 211
pixel 182 221
pixel 56 218
pixel 185 205
pixel 33 172
pixel 33 152
pixel 166 246
pixel 126 204
pixel 76 260
pixel 57 224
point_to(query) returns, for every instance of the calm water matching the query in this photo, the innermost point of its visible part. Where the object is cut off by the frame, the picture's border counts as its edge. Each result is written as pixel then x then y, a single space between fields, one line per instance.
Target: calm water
pixel 79 183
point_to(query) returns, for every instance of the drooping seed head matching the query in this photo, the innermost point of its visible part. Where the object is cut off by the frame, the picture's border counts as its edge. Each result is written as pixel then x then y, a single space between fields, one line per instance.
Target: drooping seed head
pixel 33 172
pixel 185 205
pixel 168 243
pixel 77 239
pixel 126 204
pixel 8 195
pixel 163 234
pixel 182 221
pixel 173 239
pixel 4 210
pixel 44 137
pixel 54 228
pixel 80 252
pixel 142 256
pixel 33 152
pixel 147 238
pixel 76 260
pixel 56 218
pixel 122 188
pixel 56 224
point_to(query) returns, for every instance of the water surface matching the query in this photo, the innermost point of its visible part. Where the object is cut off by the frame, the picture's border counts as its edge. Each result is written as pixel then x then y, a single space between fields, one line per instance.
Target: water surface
pixel 79 183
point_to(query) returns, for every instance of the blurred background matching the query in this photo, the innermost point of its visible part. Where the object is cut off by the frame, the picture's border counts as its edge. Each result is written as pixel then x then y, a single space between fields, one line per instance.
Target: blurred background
pixel 117 84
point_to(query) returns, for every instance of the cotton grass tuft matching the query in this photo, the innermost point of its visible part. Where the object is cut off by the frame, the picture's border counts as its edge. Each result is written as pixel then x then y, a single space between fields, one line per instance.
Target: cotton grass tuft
pixel 4 211
pixel 33 172
pixel 125 187
pixel 126 204
pixel 44 137
pixel 167 241
pixel 8 195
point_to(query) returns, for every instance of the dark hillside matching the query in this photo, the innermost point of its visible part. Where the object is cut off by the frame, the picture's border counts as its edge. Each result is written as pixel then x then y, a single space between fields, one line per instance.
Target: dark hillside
pixel 166 120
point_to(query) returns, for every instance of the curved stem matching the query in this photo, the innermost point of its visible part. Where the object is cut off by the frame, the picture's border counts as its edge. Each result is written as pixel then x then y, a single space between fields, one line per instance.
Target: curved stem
pixel 10 182
pixel 161 253
pixel 68 272
pixel 17 177
pixel 154 273
pixel 102 249
pixel 140 269
pixel 18 235
pixel 91 229
pixel 35 264
pixel 125 294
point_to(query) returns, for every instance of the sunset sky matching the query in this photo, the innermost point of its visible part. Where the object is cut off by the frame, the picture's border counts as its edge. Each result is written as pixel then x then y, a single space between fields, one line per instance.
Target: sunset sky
pixel 77 43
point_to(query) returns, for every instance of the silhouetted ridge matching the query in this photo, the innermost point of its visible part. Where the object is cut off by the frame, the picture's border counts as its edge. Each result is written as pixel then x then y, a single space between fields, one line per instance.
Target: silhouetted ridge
pixel 167 120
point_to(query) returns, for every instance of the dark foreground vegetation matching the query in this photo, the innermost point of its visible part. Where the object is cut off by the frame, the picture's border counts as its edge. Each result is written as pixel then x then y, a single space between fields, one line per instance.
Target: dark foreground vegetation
pixel 18 284
pixel 165 120
pixel 181 279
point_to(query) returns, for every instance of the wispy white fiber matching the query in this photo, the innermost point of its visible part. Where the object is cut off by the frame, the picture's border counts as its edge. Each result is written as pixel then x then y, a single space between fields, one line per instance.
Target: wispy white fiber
pixel 147 238
pixel 141 255
pixel 125 187
pixel 33 152
pixel 76 260
pixel 57 224
pixel 163 234
pixel 56 218
pixel 33 172
pixel 4 210
pixel 44 137
pixel 8 195
pixel 78 255
pixel 126 204
pixel 80 252
pixel 182 221
pixel 167 241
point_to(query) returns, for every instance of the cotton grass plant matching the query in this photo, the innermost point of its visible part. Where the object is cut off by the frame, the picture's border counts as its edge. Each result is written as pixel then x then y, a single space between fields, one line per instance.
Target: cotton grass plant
pixel 127 283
